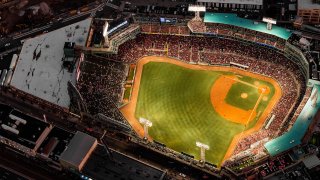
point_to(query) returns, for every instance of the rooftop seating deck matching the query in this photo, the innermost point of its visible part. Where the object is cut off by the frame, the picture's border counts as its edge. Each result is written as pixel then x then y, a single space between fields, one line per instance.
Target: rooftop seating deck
pixel 233 19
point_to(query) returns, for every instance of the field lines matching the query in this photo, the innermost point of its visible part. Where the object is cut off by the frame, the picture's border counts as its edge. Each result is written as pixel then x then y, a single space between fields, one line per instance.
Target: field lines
pixel 246 83
pixel 254 110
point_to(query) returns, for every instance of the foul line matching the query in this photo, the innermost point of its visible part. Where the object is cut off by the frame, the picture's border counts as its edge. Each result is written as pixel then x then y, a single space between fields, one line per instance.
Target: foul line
pixel 246 83
pixel 255 107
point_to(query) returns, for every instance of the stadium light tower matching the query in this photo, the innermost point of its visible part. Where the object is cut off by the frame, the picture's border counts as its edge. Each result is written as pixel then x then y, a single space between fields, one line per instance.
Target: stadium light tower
pixel 105 34
pixel 146 124
pixel 197 9
pixel 203 148
pixel 269 22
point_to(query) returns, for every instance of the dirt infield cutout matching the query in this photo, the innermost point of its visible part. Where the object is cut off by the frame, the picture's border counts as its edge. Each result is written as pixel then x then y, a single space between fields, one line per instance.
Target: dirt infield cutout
pixel 219 92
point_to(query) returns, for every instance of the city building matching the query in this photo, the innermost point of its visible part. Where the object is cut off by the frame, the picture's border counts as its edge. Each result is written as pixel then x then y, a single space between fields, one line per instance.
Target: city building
pixel 20 132
pixel 78 151
pixel 233 5
pixel 309 10
pixel 41 68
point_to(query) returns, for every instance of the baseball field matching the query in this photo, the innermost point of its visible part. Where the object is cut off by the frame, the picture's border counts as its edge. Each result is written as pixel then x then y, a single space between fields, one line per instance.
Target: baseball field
pixel 187 103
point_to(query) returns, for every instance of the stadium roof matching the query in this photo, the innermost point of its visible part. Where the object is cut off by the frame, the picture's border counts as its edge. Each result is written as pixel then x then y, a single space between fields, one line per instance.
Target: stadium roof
pixel 233 19
pixel 307 4
pixel 39 69
pixel 78 150
pixel 293 137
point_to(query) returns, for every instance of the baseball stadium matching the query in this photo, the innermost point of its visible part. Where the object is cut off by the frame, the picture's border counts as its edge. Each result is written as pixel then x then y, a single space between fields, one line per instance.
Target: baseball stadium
pixel 161 90
pixel 214 92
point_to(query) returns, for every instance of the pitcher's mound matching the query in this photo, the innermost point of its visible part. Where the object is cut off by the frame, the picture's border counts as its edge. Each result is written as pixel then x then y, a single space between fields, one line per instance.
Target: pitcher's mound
pixel 244 95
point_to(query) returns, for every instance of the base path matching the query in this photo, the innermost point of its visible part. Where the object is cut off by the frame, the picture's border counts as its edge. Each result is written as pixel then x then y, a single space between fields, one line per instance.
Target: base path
pixel 128 110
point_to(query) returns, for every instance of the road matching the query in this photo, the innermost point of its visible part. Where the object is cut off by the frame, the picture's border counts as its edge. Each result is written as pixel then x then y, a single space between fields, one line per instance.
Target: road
pixel 6 44
pixel 14 42
pixel 30 169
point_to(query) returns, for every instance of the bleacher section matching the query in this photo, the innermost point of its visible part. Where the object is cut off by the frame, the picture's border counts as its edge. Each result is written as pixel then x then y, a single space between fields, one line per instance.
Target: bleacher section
pixel 234 20
pixel 295 135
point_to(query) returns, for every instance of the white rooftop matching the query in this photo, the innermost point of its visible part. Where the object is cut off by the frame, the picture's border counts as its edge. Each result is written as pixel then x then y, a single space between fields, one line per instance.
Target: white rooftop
pixel 307 4
pixel 39 69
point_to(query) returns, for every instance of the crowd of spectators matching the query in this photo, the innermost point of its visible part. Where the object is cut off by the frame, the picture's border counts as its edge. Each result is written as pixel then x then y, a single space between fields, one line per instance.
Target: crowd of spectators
pixel 101 86
pixel 165 29
pixel 251 35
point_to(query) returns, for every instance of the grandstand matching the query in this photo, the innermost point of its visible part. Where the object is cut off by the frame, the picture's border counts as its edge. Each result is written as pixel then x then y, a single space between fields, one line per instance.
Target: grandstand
pixel 101 86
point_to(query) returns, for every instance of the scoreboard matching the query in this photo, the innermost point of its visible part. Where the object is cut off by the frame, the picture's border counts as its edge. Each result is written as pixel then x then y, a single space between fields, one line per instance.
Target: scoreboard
pixel 164 20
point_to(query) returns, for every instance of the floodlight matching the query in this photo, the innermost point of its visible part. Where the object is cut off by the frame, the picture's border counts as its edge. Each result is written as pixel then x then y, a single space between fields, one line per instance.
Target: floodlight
pixel 146 124
pixel 196 8
pixel 203 148
pixel 201 145
pixel 105 29
pixel 269 22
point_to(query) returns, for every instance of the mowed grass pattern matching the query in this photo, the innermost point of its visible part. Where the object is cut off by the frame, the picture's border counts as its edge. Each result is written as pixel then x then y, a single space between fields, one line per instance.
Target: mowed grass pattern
pixel 177 101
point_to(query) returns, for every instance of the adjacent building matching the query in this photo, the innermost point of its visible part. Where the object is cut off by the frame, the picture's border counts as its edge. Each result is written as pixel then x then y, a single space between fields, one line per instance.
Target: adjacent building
pixel 20 132
pixel 233 5
pixel 309 10
pixel 78 151
pixel 47 63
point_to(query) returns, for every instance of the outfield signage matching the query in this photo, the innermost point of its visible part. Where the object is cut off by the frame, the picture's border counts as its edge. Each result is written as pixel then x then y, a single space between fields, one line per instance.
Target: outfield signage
pixel 164 20
pixel 251 2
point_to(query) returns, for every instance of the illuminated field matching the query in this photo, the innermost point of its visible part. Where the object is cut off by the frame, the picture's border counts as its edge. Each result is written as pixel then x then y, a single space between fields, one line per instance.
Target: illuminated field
pixel 188 103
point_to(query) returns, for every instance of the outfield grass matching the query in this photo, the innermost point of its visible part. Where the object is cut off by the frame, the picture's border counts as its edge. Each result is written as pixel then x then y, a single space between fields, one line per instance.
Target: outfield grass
pixel 127 92
pixel 177 101
pixel 131 73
